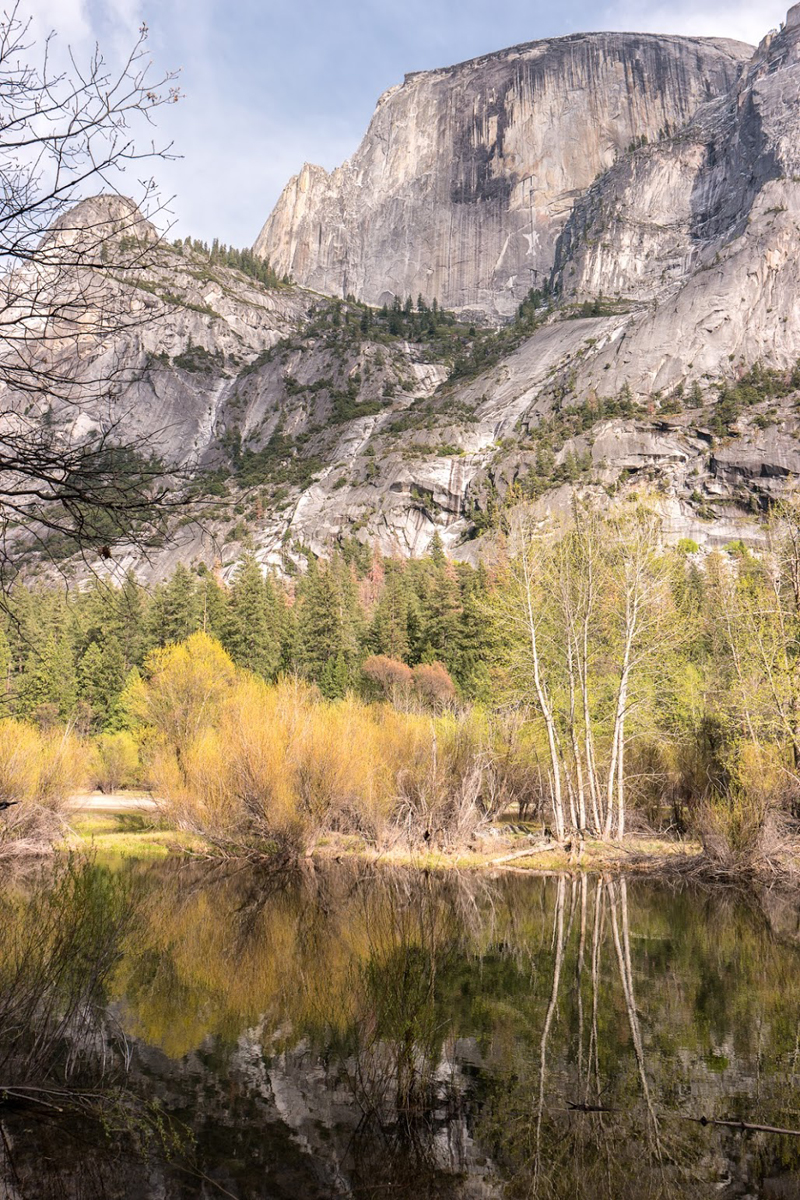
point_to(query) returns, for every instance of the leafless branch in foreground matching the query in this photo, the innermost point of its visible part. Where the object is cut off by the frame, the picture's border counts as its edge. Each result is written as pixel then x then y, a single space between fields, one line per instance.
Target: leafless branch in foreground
pixel 68 256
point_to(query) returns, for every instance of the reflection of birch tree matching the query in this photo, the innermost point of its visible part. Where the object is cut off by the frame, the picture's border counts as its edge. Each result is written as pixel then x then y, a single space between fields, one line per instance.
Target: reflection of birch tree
pixel 619 917
pixel 558 961
pixel 580 1123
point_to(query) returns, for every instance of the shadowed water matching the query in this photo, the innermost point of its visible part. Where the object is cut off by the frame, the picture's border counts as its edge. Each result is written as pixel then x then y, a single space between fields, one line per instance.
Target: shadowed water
pixel 371 1033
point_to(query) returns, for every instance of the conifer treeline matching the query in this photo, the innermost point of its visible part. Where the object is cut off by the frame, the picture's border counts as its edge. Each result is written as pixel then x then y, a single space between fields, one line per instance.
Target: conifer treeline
pixel 642 678
pixel 230 256
pixel 67 655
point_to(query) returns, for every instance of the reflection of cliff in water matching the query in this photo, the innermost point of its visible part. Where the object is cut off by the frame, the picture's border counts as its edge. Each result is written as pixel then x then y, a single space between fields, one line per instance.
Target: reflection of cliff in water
pixel 368 1033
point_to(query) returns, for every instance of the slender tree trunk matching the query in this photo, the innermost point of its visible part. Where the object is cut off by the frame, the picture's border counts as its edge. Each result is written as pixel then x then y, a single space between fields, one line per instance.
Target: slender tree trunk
pixel 619 715
pixel 591 770
pixel 623 949
pixel 576 753
pixel 579 974
pixel 558 940
pixel 583 672
pixel 544 706
pixel 573 815
pixel 621 775
pixel 594 1046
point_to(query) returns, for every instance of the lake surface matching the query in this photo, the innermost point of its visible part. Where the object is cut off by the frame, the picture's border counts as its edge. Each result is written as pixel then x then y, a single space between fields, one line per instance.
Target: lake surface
pixel 372 1033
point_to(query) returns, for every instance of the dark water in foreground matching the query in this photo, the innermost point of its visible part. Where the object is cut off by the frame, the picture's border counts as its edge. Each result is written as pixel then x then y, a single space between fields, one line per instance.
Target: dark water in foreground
pixel 363 1033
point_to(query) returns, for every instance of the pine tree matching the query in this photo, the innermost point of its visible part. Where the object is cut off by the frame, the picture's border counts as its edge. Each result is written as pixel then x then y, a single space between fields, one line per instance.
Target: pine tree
pixel 441 610
pixel 130 621
pixel 253 636
pixel 389 629
pixel 48 685
pixel 436 551
pixel 175 612
pixel 351 617
pixel 317 626
pixel 89 687
pixel 105 611
pixel 329 619
pixel 290 641
pixel 335 678
pixel 213 603
pixel 101 678
pixel 469 668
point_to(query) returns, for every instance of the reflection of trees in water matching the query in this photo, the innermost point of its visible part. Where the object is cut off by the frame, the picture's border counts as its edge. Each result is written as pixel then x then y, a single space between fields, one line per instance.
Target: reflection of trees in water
pixel 412 1138
pixel 587 1036
pixel 380 973
pixel 579 1140
pixel 421 1035
pixel 63 1058
pixel 612 1112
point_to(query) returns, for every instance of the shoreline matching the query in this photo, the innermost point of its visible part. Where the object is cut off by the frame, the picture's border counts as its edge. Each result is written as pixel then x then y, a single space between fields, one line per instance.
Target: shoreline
pixel 121 826
pixel 128 826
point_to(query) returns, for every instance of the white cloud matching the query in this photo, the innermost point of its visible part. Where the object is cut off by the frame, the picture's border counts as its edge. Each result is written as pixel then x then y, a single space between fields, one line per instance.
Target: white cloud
pixel 79 24
pixel 267 90
pixel 739 19
pixel 72 20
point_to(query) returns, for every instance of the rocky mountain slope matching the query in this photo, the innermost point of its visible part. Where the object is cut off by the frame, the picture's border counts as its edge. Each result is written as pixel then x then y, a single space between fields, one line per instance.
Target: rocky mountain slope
pixel 659 355
pixel 466 175
pixel 701 233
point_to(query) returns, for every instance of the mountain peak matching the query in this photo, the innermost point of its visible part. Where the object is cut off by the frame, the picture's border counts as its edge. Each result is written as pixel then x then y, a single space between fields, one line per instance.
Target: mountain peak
pixel 101 219
pixel 467 174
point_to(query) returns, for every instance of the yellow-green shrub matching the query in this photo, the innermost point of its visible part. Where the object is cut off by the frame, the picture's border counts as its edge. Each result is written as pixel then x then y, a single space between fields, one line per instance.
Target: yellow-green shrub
pixel 243 760
pixel 20 745
pixel 115 761
pixel 183 690
pixel 740 826
pixel 39 770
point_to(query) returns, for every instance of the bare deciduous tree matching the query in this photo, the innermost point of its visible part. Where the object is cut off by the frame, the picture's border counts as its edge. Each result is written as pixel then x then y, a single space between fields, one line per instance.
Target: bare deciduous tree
pixel 65 135
pixel 586 608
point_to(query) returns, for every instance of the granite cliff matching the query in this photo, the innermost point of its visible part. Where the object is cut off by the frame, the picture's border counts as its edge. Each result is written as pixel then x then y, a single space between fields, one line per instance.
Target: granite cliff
pixel 700 234
pixel 659 354
pixel 466 175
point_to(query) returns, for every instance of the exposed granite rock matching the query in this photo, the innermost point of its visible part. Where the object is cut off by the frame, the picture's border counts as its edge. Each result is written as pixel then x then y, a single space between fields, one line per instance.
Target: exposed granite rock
pixel 467 174
pixel 693 241
pixel 704 228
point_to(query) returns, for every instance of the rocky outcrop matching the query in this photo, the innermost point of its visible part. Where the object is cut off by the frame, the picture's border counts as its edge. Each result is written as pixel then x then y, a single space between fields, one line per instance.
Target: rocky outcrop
pixel 467 174
pixel 314 420
pixel 702 230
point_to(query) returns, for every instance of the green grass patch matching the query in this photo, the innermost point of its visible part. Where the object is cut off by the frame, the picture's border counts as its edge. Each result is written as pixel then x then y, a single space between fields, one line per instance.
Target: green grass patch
pixel 129 835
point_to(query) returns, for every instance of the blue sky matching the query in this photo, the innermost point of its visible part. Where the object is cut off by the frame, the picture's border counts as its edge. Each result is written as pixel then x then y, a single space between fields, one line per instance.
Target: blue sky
pixel 271 84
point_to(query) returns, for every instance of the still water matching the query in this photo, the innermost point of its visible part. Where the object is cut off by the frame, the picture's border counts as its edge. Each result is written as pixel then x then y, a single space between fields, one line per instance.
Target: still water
pixel 171 1031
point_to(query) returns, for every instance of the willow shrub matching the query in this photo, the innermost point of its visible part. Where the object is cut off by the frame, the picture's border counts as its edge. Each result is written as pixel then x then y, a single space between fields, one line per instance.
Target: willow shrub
pixel 264 762
pixel 742 824
pixel 39 771
pixel 115 762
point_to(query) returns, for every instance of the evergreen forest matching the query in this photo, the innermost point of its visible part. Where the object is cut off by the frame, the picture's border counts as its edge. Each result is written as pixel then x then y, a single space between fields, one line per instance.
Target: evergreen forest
pixel 588 677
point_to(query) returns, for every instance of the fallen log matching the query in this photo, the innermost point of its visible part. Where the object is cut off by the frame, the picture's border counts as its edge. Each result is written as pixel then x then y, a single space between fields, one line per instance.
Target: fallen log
pixel 742 1126
pixel 728 1123
pixel 526 853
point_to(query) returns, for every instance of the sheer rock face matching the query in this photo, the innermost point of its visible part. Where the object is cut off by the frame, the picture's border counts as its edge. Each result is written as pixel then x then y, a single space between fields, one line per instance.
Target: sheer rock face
pixel 695 237
pixel 702 234
pixel 467 174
